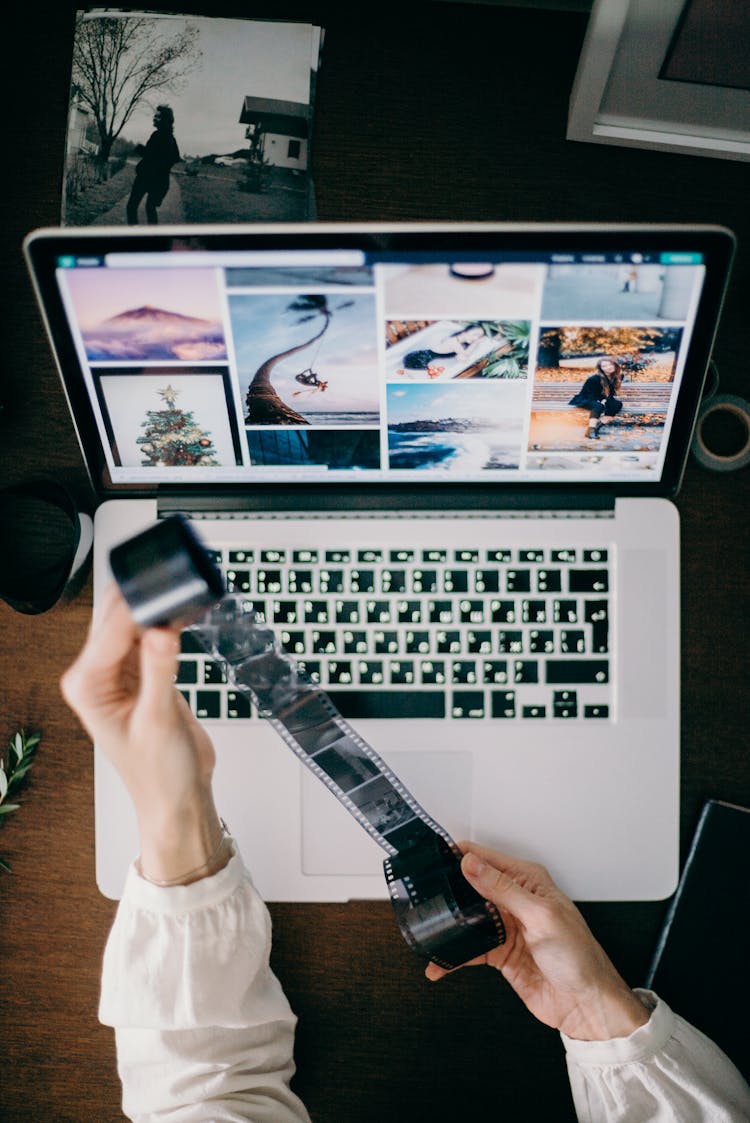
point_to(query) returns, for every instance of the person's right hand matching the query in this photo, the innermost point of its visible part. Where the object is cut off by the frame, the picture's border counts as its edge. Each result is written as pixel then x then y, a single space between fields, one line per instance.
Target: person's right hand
pixel 550 957
pixel 122 687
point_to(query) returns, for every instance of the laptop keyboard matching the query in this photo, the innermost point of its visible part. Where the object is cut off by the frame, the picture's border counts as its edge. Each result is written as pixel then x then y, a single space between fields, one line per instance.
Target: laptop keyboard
pixel 464 634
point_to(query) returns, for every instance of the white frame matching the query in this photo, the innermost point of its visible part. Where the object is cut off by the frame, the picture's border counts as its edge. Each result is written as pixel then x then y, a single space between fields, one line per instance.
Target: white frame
pixel 617 97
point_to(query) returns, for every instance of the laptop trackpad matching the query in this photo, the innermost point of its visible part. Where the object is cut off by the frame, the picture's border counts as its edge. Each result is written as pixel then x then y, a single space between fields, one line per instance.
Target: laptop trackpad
pixel 333 842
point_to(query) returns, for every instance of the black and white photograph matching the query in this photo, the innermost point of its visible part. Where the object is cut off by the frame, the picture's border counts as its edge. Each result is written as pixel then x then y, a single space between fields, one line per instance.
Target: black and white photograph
pixel 347 765
pixel 381 805
pixel 178 118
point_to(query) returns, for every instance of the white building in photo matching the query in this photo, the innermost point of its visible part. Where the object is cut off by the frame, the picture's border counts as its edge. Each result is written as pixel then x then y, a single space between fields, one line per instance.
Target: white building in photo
pixel 285 126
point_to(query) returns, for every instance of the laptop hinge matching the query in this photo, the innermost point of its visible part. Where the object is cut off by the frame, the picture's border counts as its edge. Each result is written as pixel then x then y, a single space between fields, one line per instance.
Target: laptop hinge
pixel 292 504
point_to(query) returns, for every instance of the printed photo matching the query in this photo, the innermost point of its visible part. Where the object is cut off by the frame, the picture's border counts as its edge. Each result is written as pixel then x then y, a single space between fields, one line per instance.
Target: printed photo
pixel 441 350
pixel 461 428
pixel 603 389
pixel 332 449
pixel 147 315
pixel 628 291
pixel 306 358
pixel 176 119
pixel 464 290
pixel 168 420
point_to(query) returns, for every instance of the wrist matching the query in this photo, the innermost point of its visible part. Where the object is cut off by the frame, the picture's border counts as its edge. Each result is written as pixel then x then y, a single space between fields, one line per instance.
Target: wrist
pixel 182 846
pixel 615 1013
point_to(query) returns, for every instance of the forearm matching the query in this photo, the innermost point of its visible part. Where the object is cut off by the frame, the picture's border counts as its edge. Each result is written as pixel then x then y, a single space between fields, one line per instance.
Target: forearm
pixel 204 1031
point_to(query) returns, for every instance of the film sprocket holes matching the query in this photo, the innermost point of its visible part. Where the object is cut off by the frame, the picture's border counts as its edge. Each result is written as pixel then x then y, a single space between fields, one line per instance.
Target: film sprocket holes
pixel 166 576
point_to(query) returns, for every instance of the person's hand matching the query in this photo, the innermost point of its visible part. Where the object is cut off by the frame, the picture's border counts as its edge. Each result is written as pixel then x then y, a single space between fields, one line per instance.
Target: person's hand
pixel 121 686
pixel 550 957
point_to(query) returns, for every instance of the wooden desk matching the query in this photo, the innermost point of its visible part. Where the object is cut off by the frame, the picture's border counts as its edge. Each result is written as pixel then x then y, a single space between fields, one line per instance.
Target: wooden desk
pixel 434 111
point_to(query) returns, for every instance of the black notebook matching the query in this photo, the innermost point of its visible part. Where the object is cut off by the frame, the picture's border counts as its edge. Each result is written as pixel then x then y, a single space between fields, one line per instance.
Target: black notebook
pixel 701 967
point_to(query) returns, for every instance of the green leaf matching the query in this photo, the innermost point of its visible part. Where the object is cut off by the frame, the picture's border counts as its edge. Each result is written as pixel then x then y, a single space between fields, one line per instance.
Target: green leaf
pixel 17 745
pixel 4 866
pixel 6 808
pixel 3 785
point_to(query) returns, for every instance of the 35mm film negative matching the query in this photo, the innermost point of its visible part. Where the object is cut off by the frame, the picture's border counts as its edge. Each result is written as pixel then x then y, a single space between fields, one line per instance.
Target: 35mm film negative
pixel 166 576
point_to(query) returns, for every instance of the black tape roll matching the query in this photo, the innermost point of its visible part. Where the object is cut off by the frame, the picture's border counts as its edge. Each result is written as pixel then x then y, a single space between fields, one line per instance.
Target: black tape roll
pixel 166 576
pixel 43 555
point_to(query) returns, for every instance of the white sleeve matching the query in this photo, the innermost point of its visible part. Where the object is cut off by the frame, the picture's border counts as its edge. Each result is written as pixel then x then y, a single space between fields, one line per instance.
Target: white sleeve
pixel 666 1070
pixel 203 1028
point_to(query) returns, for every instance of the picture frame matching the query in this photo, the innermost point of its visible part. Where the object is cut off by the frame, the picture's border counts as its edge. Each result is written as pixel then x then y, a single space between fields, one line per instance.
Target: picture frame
pixel 618 96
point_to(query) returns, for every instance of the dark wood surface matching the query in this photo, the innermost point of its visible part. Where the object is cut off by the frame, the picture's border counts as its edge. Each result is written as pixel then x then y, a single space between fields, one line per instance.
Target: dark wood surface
pixel 434 111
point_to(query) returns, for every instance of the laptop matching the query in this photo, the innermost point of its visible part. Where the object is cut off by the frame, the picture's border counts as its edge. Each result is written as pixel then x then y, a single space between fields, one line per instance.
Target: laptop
pixel 441 461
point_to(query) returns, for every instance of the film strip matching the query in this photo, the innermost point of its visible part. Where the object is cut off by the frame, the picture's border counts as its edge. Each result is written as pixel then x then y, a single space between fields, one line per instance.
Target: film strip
pixel 166 576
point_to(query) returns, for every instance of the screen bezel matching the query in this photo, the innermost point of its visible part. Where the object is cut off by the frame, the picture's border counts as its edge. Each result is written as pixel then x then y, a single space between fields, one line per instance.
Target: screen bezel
pixel 716 244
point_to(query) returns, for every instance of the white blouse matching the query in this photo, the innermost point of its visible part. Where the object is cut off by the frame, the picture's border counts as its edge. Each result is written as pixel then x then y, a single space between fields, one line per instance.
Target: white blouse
pixel 205 1032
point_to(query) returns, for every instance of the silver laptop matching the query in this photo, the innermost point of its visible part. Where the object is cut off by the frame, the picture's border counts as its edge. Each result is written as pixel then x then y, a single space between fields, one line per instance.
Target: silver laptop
pixel 440 460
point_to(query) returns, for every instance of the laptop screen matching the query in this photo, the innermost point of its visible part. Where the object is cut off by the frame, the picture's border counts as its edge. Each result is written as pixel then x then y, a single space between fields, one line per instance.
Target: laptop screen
pixel 405 355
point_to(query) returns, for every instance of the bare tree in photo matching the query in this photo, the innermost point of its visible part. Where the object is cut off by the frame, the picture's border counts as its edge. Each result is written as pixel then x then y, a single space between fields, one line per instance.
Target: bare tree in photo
pixel 118 62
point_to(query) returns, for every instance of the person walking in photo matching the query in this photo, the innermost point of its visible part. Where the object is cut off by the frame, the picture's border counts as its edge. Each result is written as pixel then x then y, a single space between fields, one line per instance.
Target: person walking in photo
pixel 152 171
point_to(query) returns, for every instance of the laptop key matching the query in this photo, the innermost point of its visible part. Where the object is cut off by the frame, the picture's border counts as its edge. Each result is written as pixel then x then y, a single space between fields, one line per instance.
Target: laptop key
pixel 486 581
pixel 495 671
pixel 573 671
pixel 518 581
pixel 433 672
pixel 464 671
pixel 371 672
pixel 384 704
pixel 510 643
pixel 190 644
pixel 565 612
pixel 362 581
pixel 331 581
pixel 596 711
pixel 503 611
pixel 600 637
pixel 187 672
pixel 564 704
pixel 548 581
pixel 572 642
pixel 417 642
pixel 455 581
pixel 402 672
pixel 467 704
pixel 409 611
pixel 213 674
pixel 588 580
pixel 238 705
pixel 355 642
pixel 208 704
pixel 393 581
pixel 300 581
pixel 525 670
pixel 533 710
pixel 503 703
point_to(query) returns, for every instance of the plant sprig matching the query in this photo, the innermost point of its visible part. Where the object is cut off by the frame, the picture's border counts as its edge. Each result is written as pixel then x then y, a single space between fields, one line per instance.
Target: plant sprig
pixel 19 760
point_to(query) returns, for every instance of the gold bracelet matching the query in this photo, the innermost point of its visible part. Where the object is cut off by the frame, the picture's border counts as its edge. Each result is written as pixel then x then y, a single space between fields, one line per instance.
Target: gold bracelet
pixel 192 875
